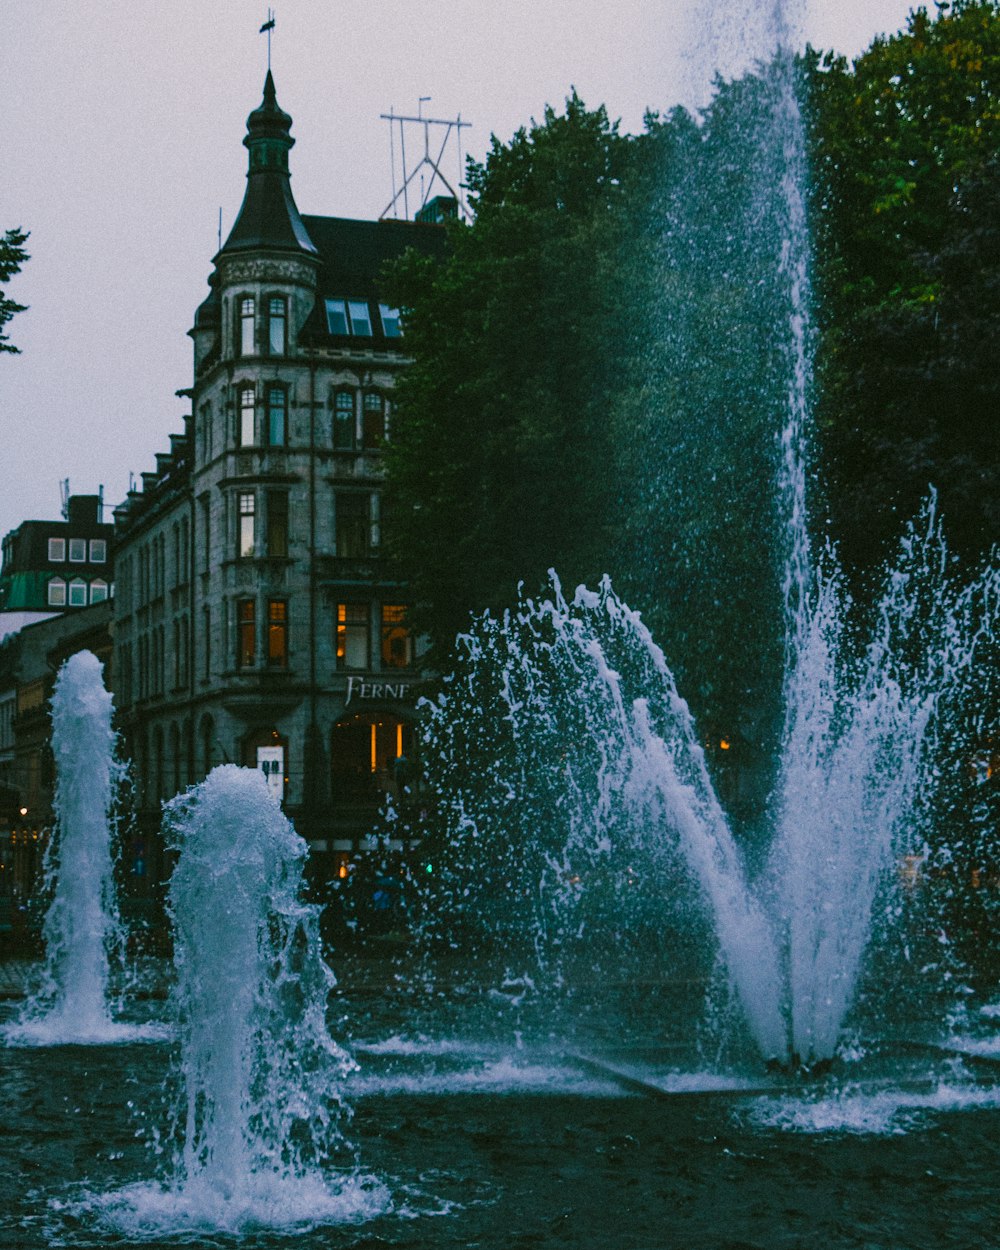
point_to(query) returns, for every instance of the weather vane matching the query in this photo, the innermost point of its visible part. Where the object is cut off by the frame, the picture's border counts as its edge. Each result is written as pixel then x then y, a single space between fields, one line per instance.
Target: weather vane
pixel 268 26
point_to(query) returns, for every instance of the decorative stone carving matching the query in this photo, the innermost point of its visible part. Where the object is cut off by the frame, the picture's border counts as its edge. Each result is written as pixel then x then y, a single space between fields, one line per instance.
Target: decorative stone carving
pixel 265 270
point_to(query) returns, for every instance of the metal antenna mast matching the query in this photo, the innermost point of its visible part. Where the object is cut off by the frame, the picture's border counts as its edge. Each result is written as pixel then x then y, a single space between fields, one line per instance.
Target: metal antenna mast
pixel 429 160
pixel 268 26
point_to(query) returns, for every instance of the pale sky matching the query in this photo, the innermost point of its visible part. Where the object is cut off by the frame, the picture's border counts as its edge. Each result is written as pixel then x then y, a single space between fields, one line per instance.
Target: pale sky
pixel 123 123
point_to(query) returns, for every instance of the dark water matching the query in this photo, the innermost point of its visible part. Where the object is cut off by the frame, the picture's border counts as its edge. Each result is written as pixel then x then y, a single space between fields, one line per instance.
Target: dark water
pixel 505 1170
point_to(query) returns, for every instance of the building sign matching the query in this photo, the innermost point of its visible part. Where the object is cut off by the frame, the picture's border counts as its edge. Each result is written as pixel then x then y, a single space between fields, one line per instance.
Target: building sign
pixel 271 762
pixel 358 688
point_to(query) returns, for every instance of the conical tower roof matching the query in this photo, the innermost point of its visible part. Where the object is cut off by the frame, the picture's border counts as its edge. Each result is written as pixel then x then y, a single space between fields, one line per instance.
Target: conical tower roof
pixel 268 219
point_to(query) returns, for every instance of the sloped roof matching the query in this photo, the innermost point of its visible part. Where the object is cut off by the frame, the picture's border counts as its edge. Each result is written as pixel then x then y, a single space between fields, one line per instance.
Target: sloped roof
pixel 353 255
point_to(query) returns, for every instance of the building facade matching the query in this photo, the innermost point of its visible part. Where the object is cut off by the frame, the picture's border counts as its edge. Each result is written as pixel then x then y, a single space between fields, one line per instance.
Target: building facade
pixel 30 660
pixel 56 566
pixel 257 620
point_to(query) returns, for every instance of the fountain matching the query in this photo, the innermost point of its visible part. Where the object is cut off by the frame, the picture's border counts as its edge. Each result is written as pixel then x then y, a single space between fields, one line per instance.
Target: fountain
pixel 587 771
pixel 585 835
pixel 259 1143
pixel 82 931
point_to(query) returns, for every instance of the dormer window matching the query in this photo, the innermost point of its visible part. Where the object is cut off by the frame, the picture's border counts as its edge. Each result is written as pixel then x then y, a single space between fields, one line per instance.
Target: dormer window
pixel 277 326
pixel 57 592
pixel 349 316
pixel 57 550
pixel 392 326
pixel 336 316
pixel 245 326
pixel 78 593
pixel 78 550
pixel 361 321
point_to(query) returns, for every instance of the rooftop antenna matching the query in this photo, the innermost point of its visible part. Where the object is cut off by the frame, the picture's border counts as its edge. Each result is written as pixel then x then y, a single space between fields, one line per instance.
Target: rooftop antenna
pixel 268 27
pixel 433 161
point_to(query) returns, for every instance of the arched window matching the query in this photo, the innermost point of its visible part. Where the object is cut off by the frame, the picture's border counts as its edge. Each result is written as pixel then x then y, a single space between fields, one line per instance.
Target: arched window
pixel 98 590
pixel 57 592
pixel 77 593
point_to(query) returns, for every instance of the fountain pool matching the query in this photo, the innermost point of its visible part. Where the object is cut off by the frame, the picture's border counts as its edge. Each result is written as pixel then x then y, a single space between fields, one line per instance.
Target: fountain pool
pixel 483 1145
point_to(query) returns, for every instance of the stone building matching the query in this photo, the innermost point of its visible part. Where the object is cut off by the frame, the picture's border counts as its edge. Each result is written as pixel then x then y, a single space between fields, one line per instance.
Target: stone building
pixel 257 620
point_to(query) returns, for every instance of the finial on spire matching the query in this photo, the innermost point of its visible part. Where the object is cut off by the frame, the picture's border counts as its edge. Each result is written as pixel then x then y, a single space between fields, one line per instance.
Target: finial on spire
pixel 268 26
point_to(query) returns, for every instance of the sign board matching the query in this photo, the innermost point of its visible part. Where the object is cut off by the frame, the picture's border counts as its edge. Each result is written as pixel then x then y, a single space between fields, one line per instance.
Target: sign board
pixel 271 762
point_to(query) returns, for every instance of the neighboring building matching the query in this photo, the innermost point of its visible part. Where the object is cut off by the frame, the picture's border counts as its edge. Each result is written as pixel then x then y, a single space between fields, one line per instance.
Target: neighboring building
pixel 29 662
pixel 257 620
pixel 51 567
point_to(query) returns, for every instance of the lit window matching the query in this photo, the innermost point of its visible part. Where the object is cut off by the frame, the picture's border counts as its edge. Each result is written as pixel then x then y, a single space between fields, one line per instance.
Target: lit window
pixel 78 550
pixel 246 633
pixel 98 590
pixel 246 325
pixel 343 421
pixel 276 326
pixel 248 406
pixel 336 316
pixel 374 419
pixel 247 527
pixel 98 550
pixel 57 550
pixel 77 593
pixel 391 325
pixel 352 635
pixel 277 523
pixel 361 320
pixel 275 416
pixel 277 633
pixel 397 641
pixel 57 591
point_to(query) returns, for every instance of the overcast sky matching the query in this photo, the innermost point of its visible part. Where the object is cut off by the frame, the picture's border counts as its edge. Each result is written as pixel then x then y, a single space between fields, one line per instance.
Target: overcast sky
pixel 123 123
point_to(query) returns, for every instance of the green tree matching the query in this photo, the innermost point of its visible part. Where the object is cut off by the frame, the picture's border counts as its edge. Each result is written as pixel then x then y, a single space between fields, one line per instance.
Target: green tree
pixel 12 257
pixel 902 139
pixel 507 407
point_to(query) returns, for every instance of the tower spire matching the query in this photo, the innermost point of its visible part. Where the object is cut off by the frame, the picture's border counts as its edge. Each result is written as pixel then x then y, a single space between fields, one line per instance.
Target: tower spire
pixel 268 218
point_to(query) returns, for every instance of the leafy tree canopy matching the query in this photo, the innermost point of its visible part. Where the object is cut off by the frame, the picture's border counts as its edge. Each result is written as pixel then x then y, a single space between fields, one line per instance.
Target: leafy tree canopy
pixel 905 145
pixel 505 407
pixel 12 257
